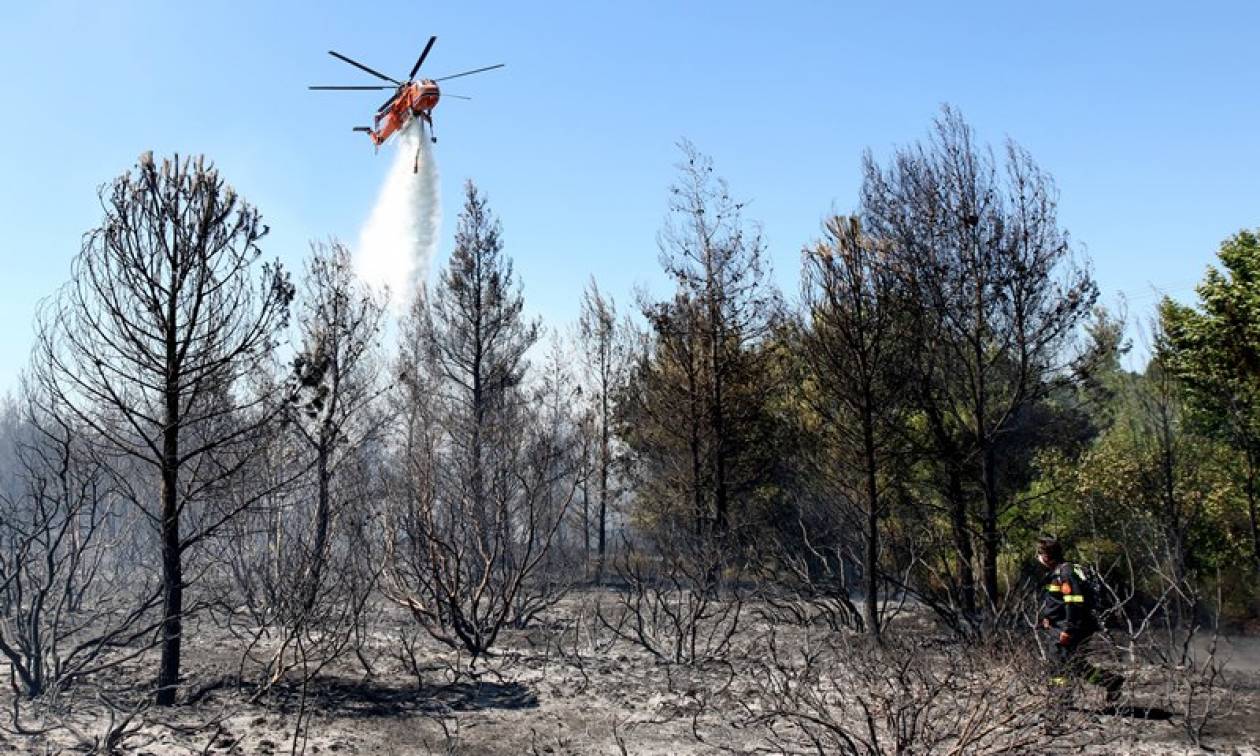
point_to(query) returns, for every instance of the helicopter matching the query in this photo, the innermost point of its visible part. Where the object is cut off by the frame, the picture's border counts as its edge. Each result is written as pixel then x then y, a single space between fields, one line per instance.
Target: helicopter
pixel 411 98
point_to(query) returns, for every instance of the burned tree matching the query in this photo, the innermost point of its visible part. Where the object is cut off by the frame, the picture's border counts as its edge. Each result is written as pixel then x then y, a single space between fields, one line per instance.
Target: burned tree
pixel 661 419
pixel 702 387
pixel 334 386
pixel 149 345
pixel 696 416
pixel 999 300
pixel 303 559
pixel 487 470
pixel 855 341
pixel 604 356
pixel 64 599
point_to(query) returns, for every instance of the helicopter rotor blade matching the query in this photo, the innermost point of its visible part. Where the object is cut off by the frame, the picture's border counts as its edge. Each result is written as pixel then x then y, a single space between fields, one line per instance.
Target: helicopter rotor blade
pixel 457 97
pixel 354 88
pixel 388 102
pixel 475 70
pixel 420 60
pixel 362 67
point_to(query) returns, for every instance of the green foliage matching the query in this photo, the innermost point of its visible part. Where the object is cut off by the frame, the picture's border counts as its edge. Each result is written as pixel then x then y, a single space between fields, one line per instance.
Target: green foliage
pixel 1162 499
pixel 1215 348
pixel 1214 351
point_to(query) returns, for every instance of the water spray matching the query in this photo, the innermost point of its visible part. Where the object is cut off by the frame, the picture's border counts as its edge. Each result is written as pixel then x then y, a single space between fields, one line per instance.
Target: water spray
pixel 399 239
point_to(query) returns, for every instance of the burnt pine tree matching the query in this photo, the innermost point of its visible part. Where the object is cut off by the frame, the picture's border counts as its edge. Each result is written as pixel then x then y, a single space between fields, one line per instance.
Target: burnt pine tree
pixel 334 386
pixel 488 474
pixel 65 614
pixel 477 338
pixel 301 564
pixel 661 417
pixel 604 357
pixel 709 359
pixel 148 345
pixel 855 342
pixel 999 297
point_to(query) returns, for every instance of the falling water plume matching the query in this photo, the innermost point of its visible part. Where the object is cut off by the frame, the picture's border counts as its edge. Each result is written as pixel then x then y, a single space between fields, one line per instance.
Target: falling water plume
pixel 399 239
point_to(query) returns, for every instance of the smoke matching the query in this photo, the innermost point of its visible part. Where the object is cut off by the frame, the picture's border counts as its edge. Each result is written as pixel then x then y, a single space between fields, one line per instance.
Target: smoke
pixel 399 239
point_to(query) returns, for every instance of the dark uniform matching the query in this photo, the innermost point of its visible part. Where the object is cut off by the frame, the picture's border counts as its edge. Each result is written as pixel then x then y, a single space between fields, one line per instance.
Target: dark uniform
pixel 1067 612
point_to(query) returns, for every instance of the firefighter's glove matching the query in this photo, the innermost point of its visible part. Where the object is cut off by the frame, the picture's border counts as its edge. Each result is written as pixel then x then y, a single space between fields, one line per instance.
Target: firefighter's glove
pixel 1064 638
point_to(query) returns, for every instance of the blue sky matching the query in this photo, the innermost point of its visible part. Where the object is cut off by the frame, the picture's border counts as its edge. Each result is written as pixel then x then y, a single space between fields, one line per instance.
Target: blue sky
pixel 1146 113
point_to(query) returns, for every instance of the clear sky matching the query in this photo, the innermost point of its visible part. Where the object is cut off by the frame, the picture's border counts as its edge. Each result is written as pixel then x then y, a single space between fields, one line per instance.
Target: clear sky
pixel 1147 114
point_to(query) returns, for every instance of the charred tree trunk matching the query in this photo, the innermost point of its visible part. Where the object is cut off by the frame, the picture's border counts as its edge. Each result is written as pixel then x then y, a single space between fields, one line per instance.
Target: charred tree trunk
pixel 962 540
pixel 871 566
pixel 992 540
pixel 172 591
pixel 605 462
pixel 172 572
pixel 319 545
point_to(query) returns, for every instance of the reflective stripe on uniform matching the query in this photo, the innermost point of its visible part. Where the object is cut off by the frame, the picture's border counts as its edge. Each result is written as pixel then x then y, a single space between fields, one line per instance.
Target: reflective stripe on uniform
pixel 1054 588
pixel 1077 599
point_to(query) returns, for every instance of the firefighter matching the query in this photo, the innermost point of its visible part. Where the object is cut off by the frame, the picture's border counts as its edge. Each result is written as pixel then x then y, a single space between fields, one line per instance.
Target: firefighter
pixel 1068 615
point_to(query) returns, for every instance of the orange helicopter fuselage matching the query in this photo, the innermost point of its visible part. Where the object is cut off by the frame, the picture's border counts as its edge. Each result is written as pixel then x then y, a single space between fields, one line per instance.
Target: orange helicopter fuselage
pixel 414 100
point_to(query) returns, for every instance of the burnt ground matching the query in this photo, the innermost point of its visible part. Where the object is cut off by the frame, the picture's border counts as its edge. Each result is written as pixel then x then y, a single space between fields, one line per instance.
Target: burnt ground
pixel 568 686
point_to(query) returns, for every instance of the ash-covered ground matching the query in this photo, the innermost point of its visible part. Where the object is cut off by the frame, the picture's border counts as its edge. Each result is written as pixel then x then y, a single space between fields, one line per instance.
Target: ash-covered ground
pixel 569 685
